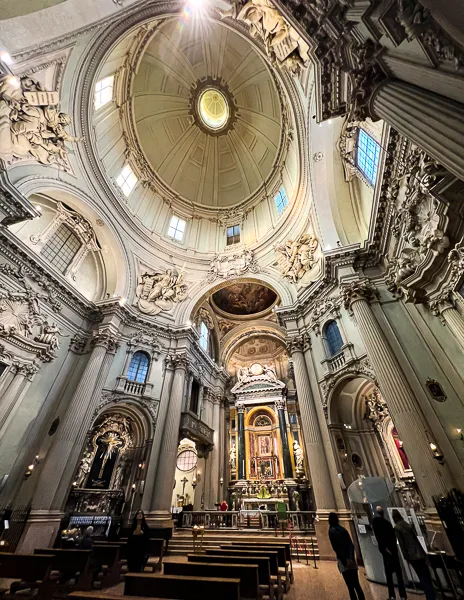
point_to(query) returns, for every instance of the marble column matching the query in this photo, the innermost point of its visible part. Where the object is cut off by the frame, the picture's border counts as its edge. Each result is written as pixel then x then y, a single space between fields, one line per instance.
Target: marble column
pixel 433 122
pixel 450 316
pixel 164 482
pixel 432 478
pixel 315 454
pixel 280 409
pixel 214 482
pixel 14 392
pixel 331 462
pixel 148 499
pixel 62 459
pixel 241 471
pixel 222 449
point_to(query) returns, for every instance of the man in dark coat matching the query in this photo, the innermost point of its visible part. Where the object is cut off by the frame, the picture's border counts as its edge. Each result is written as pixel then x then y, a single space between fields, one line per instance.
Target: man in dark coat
pixel 386 539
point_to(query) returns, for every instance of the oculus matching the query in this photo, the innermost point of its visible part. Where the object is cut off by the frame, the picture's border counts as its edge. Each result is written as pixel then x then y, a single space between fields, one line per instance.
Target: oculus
pixel 213 108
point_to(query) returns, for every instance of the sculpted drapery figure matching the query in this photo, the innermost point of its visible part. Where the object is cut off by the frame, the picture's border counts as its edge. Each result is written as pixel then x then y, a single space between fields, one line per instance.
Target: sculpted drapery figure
pixel 298 455
pixel 159 291
pixel 298 257
pixel 31 123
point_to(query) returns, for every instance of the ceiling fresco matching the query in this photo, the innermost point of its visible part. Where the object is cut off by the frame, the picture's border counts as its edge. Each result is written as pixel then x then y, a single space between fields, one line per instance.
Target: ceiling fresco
pixel 243 299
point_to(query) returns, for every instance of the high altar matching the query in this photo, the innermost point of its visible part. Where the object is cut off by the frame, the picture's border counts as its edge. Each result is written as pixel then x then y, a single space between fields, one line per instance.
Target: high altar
pixel 266 447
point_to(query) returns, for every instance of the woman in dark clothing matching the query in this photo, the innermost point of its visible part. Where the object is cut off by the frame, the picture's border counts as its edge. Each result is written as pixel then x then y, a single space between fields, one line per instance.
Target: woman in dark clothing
pixel 137 544
pixel 344 549
pixel 413 553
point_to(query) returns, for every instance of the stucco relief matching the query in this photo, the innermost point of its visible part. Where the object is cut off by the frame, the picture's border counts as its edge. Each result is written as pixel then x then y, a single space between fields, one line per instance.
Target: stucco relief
pixel 31 125
pixel 159 291
pixel 299 259
pixel 228 266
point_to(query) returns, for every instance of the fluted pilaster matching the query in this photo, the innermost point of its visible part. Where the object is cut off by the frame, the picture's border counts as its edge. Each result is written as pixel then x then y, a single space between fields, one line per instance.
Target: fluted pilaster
pixel 162 495
pixel 214 498
pixel 12 395
pixel 433 122
pixel 412 427
pixel 148 500
pixel 315 454
pixel 61 462
pixel 450 316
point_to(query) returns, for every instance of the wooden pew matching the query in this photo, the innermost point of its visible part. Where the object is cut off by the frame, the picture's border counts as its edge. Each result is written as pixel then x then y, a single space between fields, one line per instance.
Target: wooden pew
pixel 281 555
pixel 32 572
pixel 264 571
pixel 107 556
pixel 265 543
pixel 164 533
pixel 248 574
pixel 249 554
pixel 155 549
pixel 71 564
pixel 179 586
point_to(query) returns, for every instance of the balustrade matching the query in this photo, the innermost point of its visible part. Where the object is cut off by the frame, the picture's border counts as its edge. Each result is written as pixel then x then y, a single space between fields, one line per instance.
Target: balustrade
pixel 134 388
pixel 247 519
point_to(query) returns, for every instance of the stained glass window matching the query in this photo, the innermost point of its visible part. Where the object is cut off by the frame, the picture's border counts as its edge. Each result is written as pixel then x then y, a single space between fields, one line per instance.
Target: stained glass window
pixel 367 156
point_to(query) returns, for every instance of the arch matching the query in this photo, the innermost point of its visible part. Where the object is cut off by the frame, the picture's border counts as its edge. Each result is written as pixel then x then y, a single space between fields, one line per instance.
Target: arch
pixel 143 415
pixel 115 256
pixel 200 293
pixel 256 411
pixel 234 338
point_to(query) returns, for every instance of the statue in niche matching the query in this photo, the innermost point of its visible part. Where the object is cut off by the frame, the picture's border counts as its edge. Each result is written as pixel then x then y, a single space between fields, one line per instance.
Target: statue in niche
pixel 31 124
pixel 233 457
pixel 159 291
pixel 298 258
pixel 84 469
pixel 298 455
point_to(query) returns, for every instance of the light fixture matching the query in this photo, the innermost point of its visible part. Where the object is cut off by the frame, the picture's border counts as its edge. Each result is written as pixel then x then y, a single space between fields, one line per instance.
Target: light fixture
pixel 74 483
pixel 221 480
pixel 436 453
pixel 6 57
pixel 134 486
pixel 30 467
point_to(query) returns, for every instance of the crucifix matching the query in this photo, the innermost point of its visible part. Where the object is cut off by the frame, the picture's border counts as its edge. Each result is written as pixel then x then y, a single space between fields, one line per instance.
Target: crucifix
pixel 184 482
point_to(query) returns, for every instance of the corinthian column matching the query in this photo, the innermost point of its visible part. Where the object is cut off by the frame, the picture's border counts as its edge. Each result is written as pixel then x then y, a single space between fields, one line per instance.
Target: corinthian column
pixel 148 500
pixel 432 478
pixel 280 409
pixel 11 398
pixel 445 309
pixel 214 482
pixel 433 122
pixel 317 461
pixel 62 458
pixel 162 494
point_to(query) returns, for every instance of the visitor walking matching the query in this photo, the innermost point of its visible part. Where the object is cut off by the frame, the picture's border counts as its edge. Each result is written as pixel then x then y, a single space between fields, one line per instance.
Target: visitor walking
pixel 137 544
pixel 413 553
pixel 344 549
pixel 386 540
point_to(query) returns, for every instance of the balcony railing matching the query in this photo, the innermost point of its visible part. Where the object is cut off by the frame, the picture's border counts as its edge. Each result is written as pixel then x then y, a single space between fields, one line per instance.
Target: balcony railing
pixel 335 363
pixel 247 519
pixel 193 427
pixel 134 388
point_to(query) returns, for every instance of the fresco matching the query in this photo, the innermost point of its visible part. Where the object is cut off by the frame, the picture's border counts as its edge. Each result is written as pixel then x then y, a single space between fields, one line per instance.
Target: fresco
pixel 244 298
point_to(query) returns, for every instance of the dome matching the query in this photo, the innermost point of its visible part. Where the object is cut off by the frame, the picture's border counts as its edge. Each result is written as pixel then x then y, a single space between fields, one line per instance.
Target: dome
pixel 207 113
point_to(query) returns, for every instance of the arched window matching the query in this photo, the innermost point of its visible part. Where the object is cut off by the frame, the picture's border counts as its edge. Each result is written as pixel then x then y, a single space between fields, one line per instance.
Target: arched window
pixel 204 336
pixel 333 337
pixel 138 367
pixel 61 248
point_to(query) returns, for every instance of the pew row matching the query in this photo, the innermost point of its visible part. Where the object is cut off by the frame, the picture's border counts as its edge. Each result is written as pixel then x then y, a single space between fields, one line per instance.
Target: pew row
pixel 269 544
pixel 248 574
pixel 180 586
pixel 266 586
pixel 32 572
pixel 284 565
pixel 70 564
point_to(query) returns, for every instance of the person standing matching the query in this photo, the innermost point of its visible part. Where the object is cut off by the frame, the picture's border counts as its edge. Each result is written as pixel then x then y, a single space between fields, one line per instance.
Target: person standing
pixel 386 539
pixel 137 544
pixel 413 553
pixel 344 549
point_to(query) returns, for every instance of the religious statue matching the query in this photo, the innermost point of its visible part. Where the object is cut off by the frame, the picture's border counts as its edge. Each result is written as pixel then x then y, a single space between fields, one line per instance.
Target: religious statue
pixel 31 124
pixel 233 457
pixel 297 499
pixel 158 291
pixel 84 469
pixel 284 46
pixel 50 335
pixel 263 493
pixel 243 374
pixel 269 372
pixel 112 441
pixel 298 455
pixel 298 258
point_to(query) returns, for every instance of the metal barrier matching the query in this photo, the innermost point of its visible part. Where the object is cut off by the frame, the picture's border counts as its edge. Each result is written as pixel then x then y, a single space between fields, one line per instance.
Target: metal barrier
pixel 248 519
pixel 12 524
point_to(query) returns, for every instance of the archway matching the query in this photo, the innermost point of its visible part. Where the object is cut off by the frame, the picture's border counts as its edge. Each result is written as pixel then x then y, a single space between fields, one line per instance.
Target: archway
pixel 365 441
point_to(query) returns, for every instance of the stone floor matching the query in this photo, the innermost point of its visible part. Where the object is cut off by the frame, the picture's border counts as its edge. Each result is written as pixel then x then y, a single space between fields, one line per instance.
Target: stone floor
pixel 323 583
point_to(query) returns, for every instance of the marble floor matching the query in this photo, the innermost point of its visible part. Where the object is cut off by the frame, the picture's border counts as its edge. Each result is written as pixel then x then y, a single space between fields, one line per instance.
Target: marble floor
pixel 323 583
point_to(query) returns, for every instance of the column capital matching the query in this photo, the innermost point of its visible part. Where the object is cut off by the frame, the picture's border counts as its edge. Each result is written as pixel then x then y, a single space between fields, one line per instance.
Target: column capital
pixel 441 303
pixel 177 361
pixel 280 404
pixel 354 291
pixel 240 407
pixel 106 338
pixel 78 343
pixel 298 343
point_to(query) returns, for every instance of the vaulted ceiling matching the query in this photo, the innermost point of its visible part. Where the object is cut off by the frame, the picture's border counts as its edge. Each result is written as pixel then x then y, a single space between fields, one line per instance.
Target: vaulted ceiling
pixel 214 170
